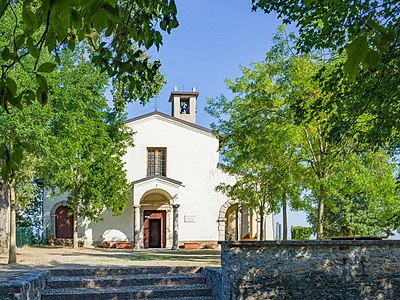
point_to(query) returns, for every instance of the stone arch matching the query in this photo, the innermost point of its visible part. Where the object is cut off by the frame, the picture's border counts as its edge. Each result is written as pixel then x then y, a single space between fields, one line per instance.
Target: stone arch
pixel 51 230
pixel 167 197
pixel 222 218
pixel 247 229
pixel 155 207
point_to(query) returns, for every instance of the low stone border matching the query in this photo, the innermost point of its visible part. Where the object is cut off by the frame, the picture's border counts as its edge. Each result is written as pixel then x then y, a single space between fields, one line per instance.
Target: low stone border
pixel 215 282
pixel 27 285
pixel 309 243
pixel 327 269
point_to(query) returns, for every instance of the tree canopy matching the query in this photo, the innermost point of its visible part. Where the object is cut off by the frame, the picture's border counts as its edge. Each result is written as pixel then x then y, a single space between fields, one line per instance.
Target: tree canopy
pixel 34 33
pixel 86 142
pixel 362 38
pixel 364 197
pixel 263 138
pixel 75 143
pixel 118 32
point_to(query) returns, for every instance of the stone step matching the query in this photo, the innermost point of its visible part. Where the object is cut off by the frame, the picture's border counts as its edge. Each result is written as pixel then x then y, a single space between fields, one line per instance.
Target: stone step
pixel 185 298
pixel 123 280
pixel 112 271
pixel 133 292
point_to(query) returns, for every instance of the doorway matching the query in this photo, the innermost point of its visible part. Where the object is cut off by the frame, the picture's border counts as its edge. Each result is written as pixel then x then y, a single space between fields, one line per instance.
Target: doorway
pixel 154 227
pixel 155 233
pixel 64 223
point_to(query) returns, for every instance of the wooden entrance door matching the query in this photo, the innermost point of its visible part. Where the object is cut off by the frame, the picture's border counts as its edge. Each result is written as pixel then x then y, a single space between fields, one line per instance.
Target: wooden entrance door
pixel 154 227
pixel 155 233
pixel 64 223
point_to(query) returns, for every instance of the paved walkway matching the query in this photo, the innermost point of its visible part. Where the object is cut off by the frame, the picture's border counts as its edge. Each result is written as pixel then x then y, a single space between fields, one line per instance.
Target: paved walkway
pixel 34 258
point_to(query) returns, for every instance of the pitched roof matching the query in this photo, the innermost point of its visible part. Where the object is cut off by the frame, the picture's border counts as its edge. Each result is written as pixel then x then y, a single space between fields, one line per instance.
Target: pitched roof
pixel 157 113
pixel 171 97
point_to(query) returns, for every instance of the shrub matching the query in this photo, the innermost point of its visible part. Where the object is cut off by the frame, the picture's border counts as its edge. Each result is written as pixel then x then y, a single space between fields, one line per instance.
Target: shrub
pixel 301 233
pixel 209 246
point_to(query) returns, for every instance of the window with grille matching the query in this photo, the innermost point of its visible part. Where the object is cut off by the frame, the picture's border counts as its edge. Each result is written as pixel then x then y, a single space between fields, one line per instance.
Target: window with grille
pixel 156 161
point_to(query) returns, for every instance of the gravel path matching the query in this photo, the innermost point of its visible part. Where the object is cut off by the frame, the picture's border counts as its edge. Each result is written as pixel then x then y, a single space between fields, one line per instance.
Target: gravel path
pixel 67 257
pixel 35 258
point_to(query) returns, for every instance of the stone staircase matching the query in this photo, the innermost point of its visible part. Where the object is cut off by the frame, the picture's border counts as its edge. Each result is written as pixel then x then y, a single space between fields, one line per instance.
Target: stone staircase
pixel 176 283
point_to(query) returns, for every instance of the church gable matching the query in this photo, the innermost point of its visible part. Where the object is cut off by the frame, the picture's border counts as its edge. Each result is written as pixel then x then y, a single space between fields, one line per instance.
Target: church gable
pixel 168 119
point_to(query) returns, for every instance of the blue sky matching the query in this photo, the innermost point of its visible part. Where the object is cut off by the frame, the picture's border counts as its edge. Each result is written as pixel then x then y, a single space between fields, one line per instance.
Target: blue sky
pixel 214 37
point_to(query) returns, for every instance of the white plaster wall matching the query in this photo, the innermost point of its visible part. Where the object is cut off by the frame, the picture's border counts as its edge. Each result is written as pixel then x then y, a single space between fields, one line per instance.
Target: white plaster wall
pixel 111 228
pixel 269 227
pixel 192 158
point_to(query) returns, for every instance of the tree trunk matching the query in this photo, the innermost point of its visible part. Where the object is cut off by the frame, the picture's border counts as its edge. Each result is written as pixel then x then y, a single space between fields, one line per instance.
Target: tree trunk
pixel 4 218
pixel 12 253
pixel 75 235
pixel 284 217
pixel 321 206
pixel 262 234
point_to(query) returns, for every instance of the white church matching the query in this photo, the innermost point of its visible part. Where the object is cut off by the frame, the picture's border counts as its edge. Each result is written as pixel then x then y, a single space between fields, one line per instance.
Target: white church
pixel 173 169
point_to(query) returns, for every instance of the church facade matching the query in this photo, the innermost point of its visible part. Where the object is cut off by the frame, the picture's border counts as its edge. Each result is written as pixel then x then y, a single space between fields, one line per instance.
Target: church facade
pixel 173 169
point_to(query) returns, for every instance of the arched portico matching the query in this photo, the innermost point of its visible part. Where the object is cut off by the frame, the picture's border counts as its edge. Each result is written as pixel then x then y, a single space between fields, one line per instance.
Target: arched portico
pixel 236 222
pixel 155 210
pixel 156 215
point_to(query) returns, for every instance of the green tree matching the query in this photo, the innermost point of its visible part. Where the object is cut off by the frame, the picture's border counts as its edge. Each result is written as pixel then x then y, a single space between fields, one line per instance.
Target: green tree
pixel 364 197
pixel 118 32
pixel 24 126
pixel 258 141
pixel 29 210
pixel 75 143
pixel 86 144
pixel 330 161
pixel 262 130
pixel 362 39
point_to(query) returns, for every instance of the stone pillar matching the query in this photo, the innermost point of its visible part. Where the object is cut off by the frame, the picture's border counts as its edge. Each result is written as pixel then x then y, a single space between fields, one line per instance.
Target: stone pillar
pixel 137 227
pixel 258 220
pixel 245 222
pixel 221 229
pixel 175 225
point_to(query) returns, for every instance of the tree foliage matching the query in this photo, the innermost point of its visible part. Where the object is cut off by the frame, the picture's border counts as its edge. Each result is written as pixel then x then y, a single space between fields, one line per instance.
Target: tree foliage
pixel 33 34
pixel 258 140
pixel 364 197
pixel 362 38
pixel 118 32
pixel 83 153
pixel 301 233
pixel 262 135
pixel 75 143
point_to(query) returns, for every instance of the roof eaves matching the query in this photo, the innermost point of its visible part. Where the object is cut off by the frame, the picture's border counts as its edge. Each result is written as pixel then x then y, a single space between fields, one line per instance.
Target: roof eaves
pixel 157 113
pixel 174 181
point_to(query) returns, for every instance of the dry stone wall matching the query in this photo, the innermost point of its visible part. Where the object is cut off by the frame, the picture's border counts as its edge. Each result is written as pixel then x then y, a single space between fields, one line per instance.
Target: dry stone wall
pixel 22 284
pixel 311 270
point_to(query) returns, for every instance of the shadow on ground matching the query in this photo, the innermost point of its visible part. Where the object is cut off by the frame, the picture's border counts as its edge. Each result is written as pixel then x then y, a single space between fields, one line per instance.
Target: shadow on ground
pixel 44 256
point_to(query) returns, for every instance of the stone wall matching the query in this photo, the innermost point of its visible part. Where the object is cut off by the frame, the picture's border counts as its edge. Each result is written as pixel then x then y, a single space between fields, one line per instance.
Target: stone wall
pixel 214 281
pixel 25 284
pixel 311 270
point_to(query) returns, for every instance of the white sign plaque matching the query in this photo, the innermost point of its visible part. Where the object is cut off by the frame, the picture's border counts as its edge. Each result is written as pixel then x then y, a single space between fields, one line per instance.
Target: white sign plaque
pixel 189 218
